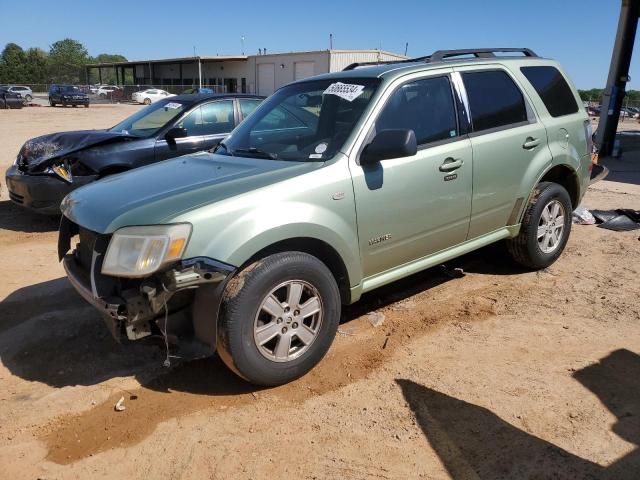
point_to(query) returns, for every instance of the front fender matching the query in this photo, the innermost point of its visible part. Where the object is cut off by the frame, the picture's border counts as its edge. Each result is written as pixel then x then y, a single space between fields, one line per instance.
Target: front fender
pixel 302 207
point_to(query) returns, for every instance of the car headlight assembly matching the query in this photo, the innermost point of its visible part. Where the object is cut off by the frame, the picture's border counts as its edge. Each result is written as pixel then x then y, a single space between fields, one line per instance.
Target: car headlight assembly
pixel 136 252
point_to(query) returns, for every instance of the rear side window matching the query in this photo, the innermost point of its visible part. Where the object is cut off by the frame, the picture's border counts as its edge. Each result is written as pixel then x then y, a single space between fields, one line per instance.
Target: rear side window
pixel 553 89
pixel 494 100
pixel 424 106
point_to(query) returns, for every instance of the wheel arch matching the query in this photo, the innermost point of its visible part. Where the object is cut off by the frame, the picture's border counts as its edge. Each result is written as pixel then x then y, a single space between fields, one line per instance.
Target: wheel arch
pixel 565 176
pixel 317 248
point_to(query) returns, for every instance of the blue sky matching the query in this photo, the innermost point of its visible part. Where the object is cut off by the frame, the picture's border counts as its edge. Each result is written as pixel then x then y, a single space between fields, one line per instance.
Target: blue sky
pixel 579 34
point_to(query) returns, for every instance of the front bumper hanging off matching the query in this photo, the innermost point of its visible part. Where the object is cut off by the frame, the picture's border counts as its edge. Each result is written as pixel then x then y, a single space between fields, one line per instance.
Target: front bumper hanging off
pixel 191 292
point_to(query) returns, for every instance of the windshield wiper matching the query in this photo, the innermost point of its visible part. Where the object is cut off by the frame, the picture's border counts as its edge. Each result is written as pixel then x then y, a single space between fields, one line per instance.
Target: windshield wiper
pixel 256 152
pixel 225 146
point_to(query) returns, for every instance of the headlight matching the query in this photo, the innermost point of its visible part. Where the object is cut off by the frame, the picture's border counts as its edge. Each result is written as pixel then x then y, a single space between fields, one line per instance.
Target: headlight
pixel 140 251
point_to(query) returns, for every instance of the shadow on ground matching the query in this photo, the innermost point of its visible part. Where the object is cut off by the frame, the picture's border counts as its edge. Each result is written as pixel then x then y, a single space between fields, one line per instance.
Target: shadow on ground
pixel 625 169
pixel 17 219
pixel 473 442
pixel 49 334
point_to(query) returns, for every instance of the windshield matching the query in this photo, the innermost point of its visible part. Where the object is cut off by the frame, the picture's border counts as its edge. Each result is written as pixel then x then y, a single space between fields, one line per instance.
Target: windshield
pixel 150 120
pixel 307 121
pixel 69 89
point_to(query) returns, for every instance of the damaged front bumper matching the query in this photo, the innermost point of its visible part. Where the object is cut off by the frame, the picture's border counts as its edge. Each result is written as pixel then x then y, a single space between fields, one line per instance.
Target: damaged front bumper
pixel 181 302
pixel 41 193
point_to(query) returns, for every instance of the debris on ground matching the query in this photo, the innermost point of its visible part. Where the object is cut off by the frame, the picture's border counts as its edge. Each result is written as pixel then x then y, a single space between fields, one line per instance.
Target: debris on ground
pixel 119 407
pixel 619 220
pixel 376 319
pixel 452 272
pixel 582 216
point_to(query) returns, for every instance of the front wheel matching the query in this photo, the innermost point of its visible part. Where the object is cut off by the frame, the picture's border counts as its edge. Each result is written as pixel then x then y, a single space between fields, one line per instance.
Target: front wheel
pixel 51 102
pixel 147 101
pixel 545 227
pixel 278 318
pixel 28 98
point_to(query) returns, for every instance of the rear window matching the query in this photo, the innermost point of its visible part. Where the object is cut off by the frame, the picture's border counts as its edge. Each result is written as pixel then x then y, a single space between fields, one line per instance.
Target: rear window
pixel 494 100
pixel 553 89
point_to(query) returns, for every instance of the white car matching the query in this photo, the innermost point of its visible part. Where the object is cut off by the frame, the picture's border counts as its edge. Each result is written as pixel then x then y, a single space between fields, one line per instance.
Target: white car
pixel 105 90
pixel 25 92
pixel 150 95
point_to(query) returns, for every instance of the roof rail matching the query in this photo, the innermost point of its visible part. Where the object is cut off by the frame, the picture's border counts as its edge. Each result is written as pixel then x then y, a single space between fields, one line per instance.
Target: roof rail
pixel 442 55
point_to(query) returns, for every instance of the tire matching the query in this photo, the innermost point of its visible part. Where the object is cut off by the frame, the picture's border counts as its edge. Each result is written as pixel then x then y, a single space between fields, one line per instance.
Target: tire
pixel 28 98
pixel 147 101
pixel 243 317
pixel 531 250
pixel 51 102
pixel 74 105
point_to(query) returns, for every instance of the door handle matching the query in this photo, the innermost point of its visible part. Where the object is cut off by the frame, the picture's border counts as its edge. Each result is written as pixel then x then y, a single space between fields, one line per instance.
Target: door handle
pixel 530 143
pixel 450 164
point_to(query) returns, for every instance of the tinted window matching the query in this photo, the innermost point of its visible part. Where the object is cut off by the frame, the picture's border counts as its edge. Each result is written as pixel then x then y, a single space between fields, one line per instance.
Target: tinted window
pixel 280 118
pixel 553 90
pixel 217 117
pixel 494 100
pixel 247 106
pixel 426 107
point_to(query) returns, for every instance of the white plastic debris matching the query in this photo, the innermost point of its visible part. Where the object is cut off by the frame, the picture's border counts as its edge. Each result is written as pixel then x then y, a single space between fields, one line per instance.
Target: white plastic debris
pixel 376 319
pixel 582 216
pixel 120 405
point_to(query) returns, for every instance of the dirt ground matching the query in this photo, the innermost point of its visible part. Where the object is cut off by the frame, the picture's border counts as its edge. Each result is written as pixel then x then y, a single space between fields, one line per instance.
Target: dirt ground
pixel 498 373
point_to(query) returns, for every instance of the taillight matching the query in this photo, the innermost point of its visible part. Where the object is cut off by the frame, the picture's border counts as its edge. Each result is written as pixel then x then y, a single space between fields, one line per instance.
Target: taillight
pixel 588 133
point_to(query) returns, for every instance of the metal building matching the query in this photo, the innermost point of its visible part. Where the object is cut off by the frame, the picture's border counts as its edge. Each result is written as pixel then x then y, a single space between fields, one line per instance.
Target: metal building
pixel 260 74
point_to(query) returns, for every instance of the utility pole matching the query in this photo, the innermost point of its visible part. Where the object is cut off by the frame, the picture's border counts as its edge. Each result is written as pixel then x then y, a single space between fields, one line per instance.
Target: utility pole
pixel 618 76
pixel 406 48
pixel 331 41
pixel 242 44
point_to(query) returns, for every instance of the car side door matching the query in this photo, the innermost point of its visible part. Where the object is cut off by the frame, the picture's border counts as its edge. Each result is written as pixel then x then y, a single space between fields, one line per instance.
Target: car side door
pixel 218 120
pixel 168 146
pixel 507 141
pixel 412 207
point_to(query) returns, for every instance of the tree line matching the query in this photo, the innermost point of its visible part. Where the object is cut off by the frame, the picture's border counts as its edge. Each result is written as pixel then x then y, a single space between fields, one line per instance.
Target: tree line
pixel 63 63
pixel 631 97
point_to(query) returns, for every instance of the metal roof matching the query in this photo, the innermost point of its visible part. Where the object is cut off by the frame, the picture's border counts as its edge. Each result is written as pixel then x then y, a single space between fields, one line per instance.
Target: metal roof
pixel 203 58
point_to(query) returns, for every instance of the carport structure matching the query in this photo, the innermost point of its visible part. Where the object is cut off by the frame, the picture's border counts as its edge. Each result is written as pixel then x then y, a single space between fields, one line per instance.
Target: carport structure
pixel 618 76
pixel 185 71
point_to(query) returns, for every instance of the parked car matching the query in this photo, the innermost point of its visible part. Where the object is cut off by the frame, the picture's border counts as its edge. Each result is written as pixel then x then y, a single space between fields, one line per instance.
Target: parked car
pixel 593 111
pixel 150 95
pixel 334 186
pixel 50 166
pixel 67 95
pixel 105 91
pixel 25 92
pixel 10 99
pixel 198 90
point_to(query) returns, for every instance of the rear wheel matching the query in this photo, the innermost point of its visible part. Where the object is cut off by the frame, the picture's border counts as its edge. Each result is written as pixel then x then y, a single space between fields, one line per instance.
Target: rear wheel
pixel 545 228
pixel 278 318
pixel 28 98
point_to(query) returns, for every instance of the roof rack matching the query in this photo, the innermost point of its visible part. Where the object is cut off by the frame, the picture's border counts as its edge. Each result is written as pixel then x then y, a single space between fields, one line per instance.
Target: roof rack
pixel 442 55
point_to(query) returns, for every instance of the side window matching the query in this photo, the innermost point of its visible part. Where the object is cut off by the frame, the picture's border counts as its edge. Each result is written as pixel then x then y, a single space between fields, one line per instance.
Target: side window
pixel 494 100
pixel 192 122
pixel 248 105
pixel 426 106
pixel 553 90
pixel 152 92
pixel 217 117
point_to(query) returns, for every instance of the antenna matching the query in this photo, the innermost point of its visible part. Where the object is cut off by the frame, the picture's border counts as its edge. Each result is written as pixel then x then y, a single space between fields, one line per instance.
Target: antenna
pixel 242 44
pixel 406 47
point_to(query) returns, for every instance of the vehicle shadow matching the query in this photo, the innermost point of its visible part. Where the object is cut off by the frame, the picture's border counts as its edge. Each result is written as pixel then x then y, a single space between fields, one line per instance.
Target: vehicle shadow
pixel 473 442
pixel 49 334
pixel 17 219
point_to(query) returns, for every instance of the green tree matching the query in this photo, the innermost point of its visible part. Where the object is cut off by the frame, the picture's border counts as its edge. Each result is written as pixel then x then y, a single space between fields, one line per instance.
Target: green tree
pixel 12 63
pixel 66 61
pixel 36 68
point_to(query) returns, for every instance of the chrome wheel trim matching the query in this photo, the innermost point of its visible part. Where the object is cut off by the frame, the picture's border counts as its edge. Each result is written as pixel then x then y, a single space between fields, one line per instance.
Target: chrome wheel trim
pixel 551 227
pixel 288 321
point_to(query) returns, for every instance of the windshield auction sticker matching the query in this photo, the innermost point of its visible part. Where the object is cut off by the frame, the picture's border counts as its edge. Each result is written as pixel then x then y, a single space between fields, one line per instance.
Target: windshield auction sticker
pixel 173 105
pixel 347 91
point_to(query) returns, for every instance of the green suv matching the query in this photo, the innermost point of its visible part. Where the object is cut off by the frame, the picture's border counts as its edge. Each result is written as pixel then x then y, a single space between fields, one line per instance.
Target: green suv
pixel 334 186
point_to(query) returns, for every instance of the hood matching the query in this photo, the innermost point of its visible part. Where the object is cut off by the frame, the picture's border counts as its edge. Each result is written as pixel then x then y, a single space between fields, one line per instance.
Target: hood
pixel 157 193
pixel 39 152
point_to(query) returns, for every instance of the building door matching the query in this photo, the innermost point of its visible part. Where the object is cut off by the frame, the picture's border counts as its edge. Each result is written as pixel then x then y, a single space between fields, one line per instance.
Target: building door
pixel 266 78
pixel 303 70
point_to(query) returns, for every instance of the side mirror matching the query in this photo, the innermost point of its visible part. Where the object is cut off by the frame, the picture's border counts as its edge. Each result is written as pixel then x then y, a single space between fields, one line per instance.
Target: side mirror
pixel 388 144
pixel 175 132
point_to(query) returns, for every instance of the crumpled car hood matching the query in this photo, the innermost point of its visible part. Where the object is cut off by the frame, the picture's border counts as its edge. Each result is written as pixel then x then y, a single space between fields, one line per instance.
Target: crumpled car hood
pixel 39 152
pixel 159 192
